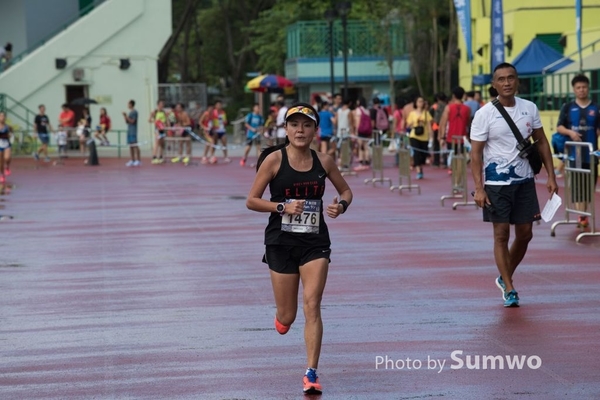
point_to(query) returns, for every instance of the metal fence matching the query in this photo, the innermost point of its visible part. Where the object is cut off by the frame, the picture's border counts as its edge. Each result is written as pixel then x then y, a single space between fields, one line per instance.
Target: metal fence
pixel 192 95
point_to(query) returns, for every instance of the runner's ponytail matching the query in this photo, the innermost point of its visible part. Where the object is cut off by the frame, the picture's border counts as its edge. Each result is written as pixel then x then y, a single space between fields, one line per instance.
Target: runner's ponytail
pixel 270 150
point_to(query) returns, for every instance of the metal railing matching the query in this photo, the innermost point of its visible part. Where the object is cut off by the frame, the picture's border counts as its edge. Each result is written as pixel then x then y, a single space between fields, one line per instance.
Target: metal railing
pixel 404 178
pixel 377 160
pixel 459 179
pixel 18 111
pixel 579 188
pixel 311 38
pixel 345 149
pixel 25 142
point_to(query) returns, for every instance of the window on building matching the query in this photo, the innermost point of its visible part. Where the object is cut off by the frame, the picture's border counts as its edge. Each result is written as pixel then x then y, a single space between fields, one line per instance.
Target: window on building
pixel 552 40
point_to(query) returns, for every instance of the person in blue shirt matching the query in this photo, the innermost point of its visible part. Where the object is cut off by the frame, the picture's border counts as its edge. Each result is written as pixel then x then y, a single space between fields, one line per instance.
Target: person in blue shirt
pixel 254 124
pixel 579 122
pixel 326 133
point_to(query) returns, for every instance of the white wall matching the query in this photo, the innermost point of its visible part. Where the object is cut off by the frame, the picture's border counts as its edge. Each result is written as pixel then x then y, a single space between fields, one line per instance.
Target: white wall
pixel 134 29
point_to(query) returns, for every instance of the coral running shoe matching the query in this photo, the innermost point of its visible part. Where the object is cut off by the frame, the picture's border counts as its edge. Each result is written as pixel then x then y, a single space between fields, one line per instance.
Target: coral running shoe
pixel 7 172
pixel 311 383
pixel 279 327
pixel 2 180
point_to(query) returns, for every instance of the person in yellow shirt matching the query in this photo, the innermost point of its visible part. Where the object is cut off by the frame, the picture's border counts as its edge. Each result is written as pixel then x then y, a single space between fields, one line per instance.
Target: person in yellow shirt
pixel 421 134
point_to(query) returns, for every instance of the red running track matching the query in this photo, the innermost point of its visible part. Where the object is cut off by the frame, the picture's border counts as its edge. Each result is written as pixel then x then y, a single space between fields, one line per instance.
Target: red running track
pixel 147 283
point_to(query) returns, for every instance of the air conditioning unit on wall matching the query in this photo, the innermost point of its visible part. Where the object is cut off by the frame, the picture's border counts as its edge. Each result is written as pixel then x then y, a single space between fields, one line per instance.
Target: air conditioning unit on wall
pixel 78 74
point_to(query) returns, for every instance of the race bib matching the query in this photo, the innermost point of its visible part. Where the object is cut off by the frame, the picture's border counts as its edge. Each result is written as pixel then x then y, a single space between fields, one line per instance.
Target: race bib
pixel 4 143
pixel 307 222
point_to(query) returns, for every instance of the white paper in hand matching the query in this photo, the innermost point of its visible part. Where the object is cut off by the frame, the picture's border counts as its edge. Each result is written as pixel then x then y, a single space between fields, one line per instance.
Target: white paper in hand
pixel 551 207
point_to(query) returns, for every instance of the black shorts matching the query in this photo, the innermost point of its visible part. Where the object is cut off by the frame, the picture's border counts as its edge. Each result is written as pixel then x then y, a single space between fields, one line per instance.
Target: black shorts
pixel 289 259
pixel 186 131
pixel 514 204
pixel 325 139
pixel 253 140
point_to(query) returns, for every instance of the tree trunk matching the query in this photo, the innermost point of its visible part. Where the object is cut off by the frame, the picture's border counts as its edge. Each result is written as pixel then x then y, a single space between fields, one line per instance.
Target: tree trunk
pixel 450 48
pixel 184 67
pixel 165 53
pixel 434 53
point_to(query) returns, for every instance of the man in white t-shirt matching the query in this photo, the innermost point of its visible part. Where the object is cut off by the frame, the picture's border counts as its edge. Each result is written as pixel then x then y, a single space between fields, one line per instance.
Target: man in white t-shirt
pixel 504 182
pixel 281 122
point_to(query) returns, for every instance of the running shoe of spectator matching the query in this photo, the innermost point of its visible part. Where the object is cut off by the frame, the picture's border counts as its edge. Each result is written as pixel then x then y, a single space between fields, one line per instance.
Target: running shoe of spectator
pixel 137 163
pixel 129 163
pixel 213 160
pixel 512 299
pixel 175 160
pixel 36 156
pixel 186 160
pixel 311 382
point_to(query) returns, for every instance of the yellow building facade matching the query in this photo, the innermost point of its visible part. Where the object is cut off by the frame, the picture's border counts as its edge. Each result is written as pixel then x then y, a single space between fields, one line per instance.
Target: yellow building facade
pixel 525 20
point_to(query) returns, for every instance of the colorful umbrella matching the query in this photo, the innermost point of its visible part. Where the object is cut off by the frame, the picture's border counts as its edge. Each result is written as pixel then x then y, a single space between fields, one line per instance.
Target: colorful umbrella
pixel 269 83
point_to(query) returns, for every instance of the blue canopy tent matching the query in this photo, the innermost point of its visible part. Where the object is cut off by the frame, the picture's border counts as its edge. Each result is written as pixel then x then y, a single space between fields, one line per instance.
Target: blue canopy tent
pixel 536 56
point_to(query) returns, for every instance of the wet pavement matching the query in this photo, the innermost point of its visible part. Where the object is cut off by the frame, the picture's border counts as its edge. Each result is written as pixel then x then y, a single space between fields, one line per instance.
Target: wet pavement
pixel 146 283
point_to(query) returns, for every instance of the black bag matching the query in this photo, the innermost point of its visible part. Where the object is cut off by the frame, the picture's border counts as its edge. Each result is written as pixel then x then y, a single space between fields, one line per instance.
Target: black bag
pixel 419 130
pixel 527 149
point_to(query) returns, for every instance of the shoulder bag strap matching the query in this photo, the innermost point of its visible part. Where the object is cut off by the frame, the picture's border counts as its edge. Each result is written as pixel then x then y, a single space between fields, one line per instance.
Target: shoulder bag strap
pixel 508 119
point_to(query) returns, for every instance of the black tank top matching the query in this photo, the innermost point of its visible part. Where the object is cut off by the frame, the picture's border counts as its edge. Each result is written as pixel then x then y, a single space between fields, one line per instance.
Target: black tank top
pixel 4 132
pixel 290 184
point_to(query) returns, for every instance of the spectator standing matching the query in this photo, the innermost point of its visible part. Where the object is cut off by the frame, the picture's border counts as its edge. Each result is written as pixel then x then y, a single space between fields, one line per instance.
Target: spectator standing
pixel 219 122
pixel 159 118
pixel 419 122
pixel 131 119
pixel 206 125
pixel 281 110
pixel 436 111
pixel 103 128
pixel 326 130
pixel 380 119
pixel 42 128
pixel 472 103
pixel 579 121
pixel 254 124
pixel 82 135
pixel 364 130
pixel 183 121
pixel 454 121
pixel 66 118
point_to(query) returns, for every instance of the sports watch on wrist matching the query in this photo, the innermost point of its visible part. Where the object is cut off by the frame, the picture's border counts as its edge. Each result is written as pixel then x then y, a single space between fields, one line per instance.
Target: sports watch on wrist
pixel 281 208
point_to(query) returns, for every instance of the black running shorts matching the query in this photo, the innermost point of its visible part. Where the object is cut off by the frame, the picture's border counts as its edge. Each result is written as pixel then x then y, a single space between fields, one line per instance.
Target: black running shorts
pixel 514 204
pixel 289 259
